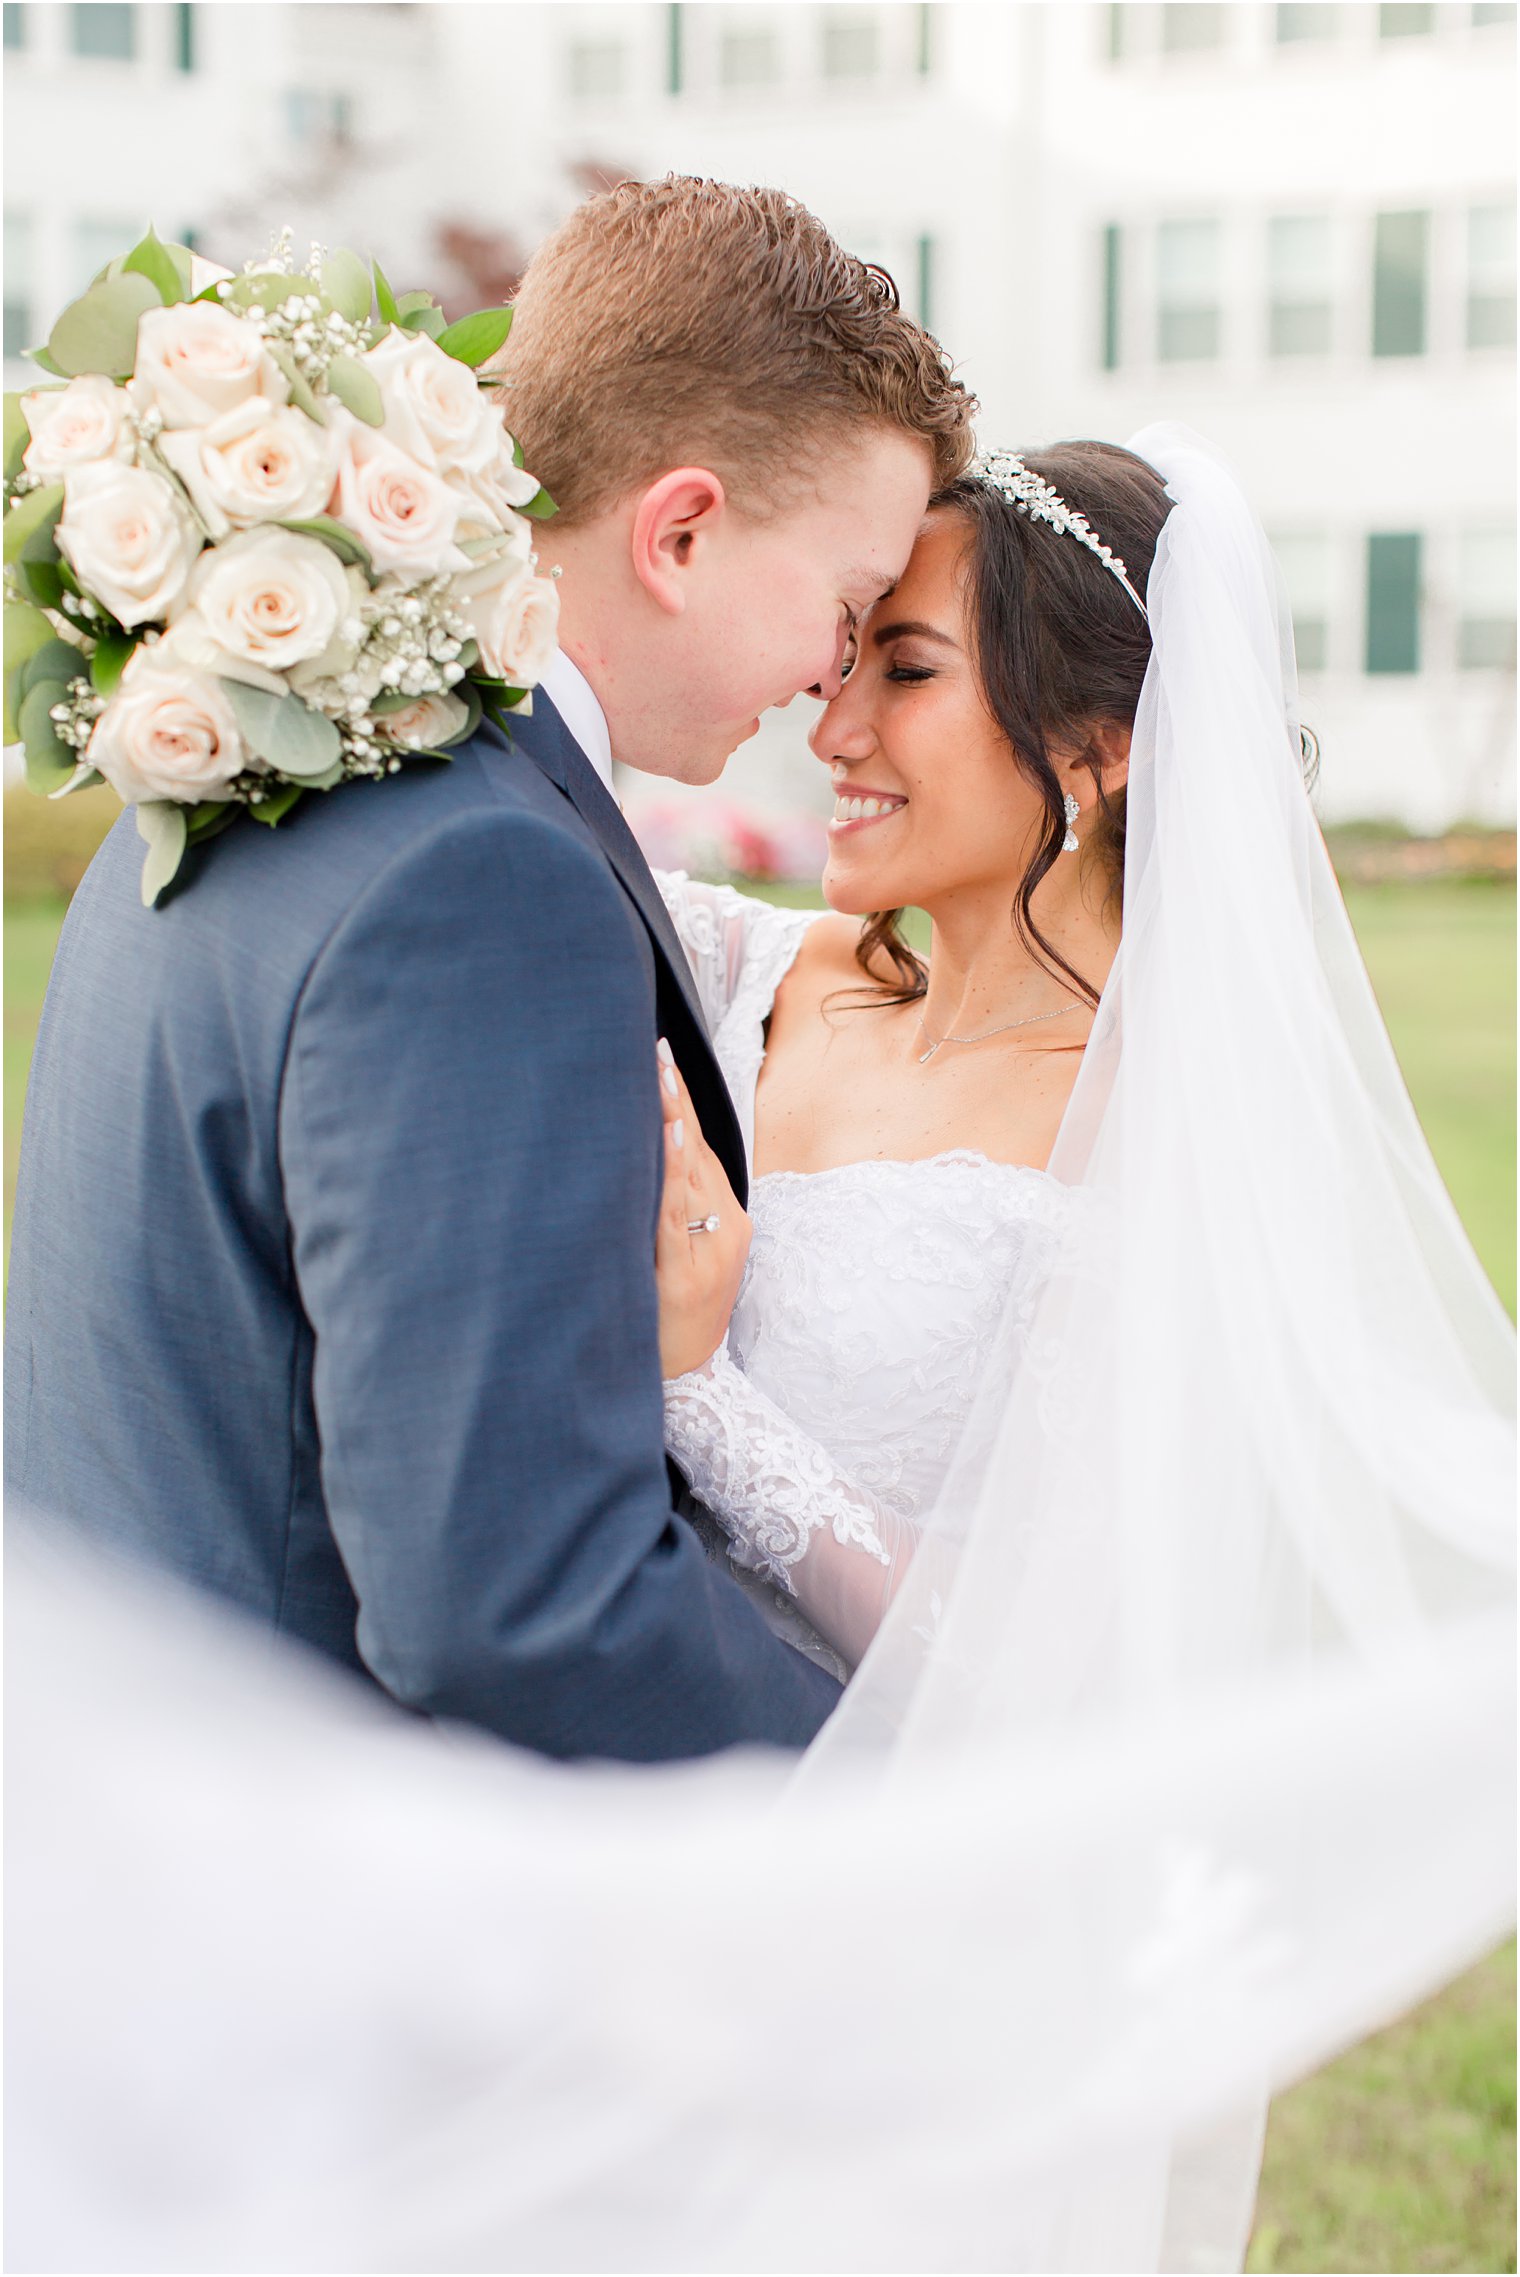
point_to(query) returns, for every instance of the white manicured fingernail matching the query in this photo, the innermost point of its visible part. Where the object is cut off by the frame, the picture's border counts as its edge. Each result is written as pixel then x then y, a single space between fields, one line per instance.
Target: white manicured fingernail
pixel 668 1078
pixel 665 1052
pixel 678 1132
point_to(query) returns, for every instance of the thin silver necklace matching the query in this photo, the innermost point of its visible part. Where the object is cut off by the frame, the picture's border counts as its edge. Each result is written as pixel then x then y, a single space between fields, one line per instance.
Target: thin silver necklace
pixel 1032 1021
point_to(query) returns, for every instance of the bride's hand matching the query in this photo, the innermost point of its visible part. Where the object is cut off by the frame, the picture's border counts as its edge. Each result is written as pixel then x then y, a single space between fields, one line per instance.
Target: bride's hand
pixel 698 1271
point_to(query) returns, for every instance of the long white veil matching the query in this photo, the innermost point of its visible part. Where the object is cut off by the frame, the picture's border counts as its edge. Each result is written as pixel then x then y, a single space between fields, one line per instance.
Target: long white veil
pixel 1183 1759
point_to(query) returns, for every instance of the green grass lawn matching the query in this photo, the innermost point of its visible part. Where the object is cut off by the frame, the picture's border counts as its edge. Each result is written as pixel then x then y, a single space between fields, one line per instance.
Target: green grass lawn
pixel 1401 2155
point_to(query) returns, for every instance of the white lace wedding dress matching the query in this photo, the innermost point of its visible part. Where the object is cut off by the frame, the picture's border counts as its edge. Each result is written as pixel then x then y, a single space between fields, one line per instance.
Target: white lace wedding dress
pixel 820 1434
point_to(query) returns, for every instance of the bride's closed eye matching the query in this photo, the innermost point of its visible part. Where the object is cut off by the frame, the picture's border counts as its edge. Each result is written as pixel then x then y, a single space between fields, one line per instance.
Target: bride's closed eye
pixel 908 675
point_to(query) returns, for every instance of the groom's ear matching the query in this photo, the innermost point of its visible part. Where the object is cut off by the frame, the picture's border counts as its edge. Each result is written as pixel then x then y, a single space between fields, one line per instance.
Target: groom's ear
pixel 673 523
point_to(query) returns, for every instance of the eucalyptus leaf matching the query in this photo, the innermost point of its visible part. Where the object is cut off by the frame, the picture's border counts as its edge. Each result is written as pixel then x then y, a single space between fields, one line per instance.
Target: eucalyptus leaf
pixel 272 288
pixel 390 700
pixel 98 332
pixel 407 304
pixel 327 782
pixel 41 582
pixel 166 830
pixel 347 283
pixel 153 260
pixel 540 506
pixel 432 321
pixel 210 818
pixel 351 551
pixel 47 363
pixel 348 380
pixel 17 436
pixel 285 733
pixel 301 394
pixel 55 660
pixel 277 804
pixel 113 653
pixel 49 760
pixel 474 339
pixel 84 778
pixel 385 299
pixel 32 511
pixel 26 632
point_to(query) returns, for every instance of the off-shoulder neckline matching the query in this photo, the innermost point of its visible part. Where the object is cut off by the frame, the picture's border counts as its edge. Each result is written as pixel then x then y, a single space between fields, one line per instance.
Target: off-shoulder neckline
pixel 956 1155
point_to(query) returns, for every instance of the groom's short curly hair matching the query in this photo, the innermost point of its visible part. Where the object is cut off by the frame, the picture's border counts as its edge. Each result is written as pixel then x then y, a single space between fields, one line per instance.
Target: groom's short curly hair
pixel 687 321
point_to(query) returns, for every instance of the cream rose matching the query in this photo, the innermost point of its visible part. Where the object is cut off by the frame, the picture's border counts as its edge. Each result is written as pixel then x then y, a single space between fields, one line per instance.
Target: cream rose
pixel 167 734
pixel 75 426
pixel 434 410
pixel 197 360
pixel 401 511
pixel 128 537
pixel 260 462
pixel 514 617
pixel 492 495
pixel 426 724
pixel 267 599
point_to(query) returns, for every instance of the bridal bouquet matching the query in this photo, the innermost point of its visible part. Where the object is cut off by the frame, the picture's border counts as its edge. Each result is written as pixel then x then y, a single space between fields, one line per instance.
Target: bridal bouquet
pixel 265 534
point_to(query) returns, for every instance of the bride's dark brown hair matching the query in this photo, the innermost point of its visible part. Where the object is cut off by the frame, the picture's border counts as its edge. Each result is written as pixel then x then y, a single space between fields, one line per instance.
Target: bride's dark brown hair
pixel 1059 650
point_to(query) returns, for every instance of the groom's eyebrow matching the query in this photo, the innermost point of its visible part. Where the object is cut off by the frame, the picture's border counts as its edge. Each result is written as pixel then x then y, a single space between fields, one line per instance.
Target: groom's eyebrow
pixel 881 634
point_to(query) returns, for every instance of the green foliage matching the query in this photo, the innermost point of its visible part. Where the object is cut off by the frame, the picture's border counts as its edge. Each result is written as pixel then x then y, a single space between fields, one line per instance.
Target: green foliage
pixel 113 653
pixel 385 299
pixel 277 805
pixel 302 394
pixel 49 761
pixel 346 282
pixel 17 436
pixel 540 506
pixel 27 632
pixel 33 512
pixel 351 551
pixel 285 733
pixel 156 262
pixel 476 338
pixel 45 362
pixel 164 826
pixel 358 389
pixel 98 332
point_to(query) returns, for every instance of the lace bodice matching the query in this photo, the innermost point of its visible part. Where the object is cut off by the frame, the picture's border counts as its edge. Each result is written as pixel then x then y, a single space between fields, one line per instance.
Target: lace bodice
pixel 821 1433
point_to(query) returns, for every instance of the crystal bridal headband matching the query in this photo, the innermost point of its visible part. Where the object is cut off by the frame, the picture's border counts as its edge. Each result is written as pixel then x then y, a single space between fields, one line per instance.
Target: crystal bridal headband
pixel 1006 473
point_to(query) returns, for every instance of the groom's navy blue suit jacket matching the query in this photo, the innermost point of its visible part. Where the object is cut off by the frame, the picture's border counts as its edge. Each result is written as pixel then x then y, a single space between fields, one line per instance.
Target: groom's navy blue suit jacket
pixel 331 1283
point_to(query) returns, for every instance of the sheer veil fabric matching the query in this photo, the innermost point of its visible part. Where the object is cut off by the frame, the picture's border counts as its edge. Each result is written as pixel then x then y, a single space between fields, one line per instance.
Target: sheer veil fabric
pixel 1183 1758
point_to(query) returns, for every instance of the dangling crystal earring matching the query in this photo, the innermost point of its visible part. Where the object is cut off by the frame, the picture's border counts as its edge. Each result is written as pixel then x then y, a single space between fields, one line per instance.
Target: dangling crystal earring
pixel 1072 811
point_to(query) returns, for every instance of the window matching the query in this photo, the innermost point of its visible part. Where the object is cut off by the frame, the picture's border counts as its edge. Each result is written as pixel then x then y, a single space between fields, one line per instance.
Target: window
pixel 1308 20
pixel 1401 254
pixel 314 115
pixel 850 44
pixel 1393 602
pixel 1491 277
pixel 924 57
pixel 596 69
pixel 1300 257
pixel 1187 269
pixel 1112 284
pixel 1189 26
pixel 748 58
pixel 102 29
pixel 1121 27
pixel 1493 12
pixel 1305 562
pixel 19 335
pixel 1404 20
pixel 15 31
pixel 1486 601
pixel 184 37
pixel 675 48
pixel 926 283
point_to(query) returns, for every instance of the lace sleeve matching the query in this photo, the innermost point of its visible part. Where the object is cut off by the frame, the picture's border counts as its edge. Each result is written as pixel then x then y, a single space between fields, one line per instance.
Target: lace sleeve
pixel 734 942
pixel 790 1513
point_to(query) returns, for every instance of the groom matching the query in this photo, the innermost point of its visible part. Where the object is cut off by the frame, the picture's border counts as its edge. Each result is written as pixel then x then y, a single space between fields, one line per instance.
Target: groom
pixel 332 1283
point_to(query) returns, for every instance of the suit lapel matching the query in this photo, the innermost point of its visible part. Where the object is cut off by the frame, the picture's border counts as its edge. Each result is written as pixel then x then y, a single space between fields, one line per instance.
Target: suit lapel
pixel 545 739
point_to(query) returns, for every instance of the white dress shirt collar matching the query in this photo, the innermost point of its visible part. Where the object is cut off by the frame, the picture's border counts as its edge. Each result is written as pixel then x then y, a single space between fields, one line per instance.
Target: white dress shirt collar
pixel 576 701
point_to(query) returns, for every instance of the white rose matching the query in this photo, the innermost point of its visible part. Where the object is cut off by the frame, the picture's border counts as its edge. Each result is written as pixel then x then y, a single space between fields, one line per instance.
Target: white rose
pixel 75 426
pixel 167 734
pixel 197 360
pixel 267 599
pixel 128 537
pixel 514 617
pixel 434 410
pixel 493 494
pixel 260 462
pixel 426 724
pixel 401 511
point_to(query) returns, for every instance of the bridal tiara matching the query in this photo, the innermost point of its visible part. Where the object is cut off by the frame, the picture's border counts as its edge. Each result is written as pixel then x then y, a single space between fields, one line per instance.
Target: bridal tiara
pixel 1006 473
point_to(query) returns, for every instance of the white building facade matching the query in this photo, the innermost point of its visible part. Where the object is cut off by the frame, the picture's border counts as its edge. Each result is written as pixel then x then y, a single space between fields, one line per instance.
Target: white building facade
pixel 1291 226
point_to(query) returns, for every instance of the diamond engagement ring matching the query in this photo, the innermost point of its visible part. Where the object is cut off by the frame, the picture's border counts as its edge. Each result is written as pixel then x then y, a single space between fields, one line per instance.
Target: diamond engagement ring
pixel 703 1225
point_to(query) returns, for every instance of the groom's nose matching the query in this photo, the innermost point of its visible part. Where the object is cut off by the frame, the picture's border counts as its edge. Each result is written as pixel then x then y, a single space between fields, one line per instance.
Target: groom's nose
pixel 828 687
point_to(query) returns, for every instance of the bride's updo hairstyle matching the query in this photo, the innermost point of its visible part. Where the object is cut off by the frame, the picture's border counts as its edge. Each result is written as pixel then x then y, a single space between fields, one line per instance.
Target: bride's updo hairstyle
pixel 1060 649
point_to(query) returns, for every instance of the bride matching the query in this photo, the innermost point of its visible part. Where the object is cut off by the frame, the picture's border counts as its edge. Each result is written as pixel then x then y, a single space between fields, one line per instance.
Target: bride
pixel 1112 1390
